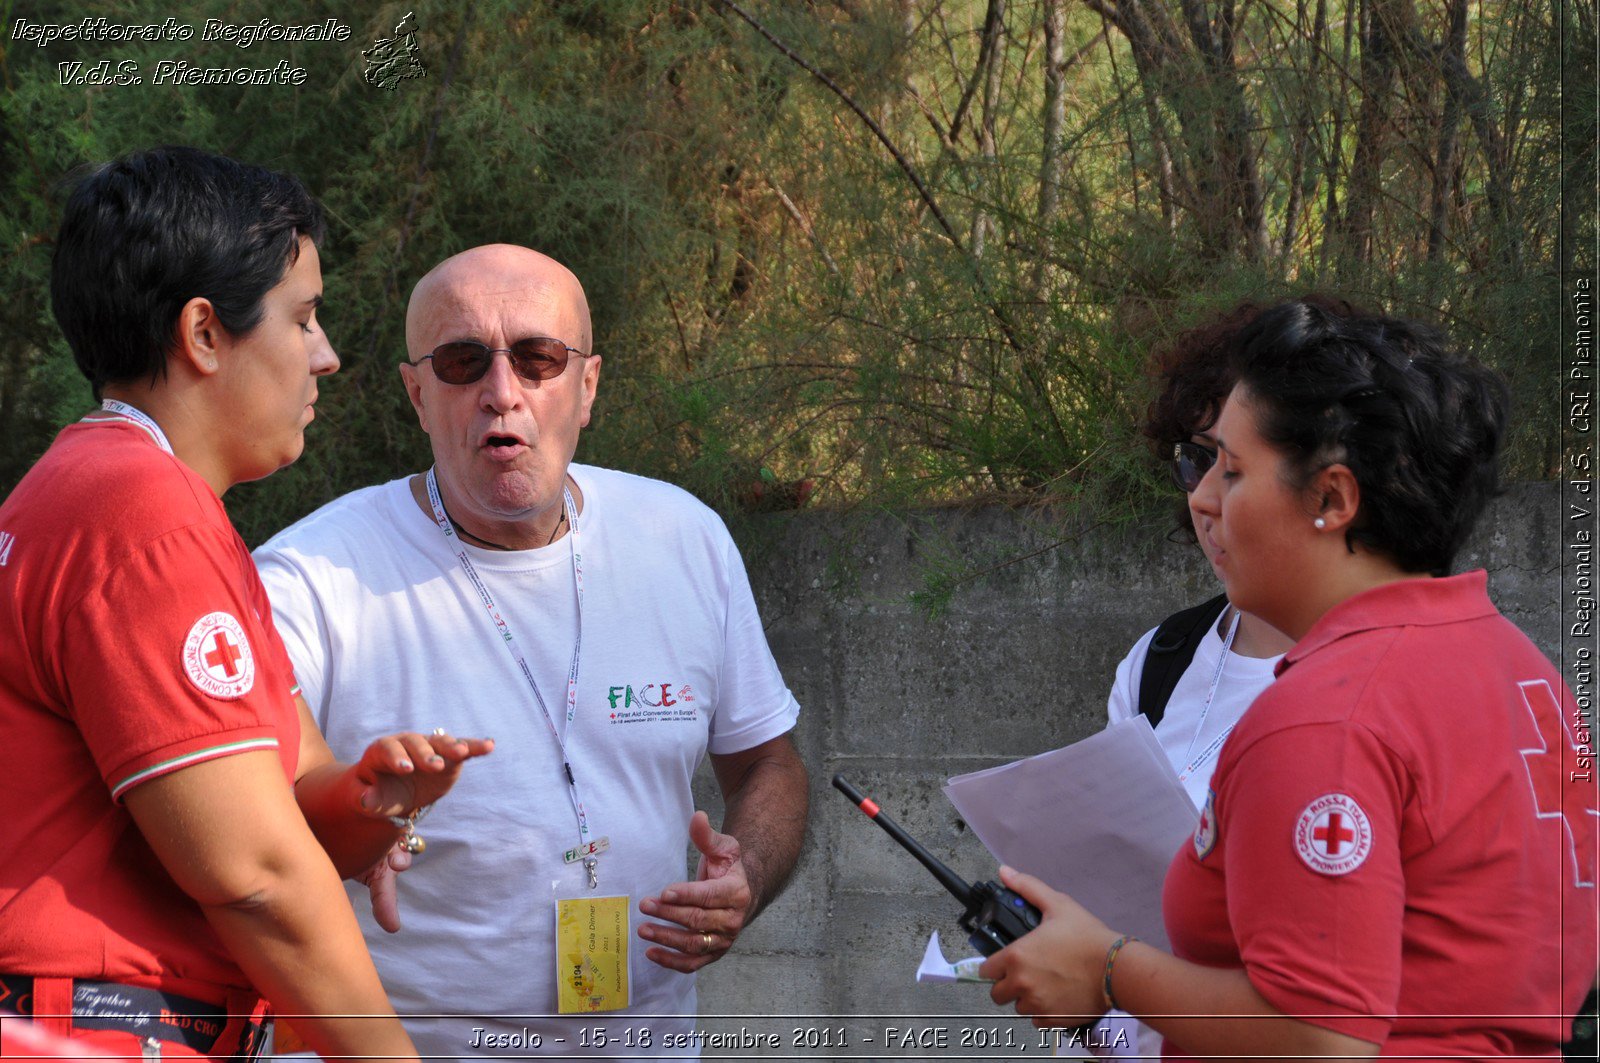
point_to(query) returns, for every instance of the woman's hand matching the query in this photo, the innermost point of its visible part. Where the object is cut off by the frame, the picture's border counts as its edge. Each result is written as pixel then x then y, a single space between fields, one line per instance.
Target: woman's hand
pixel 349 806
pixel 381 880
pixel 1053 973
pixel 401 773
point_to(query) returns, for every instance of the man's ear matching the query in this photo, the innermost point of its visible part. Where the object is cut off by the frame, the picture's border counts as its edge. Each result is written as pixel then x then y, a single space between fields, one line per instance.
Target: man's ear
pixel 199 336
pixel 413 382
pixel 591 382
pixel 1336 497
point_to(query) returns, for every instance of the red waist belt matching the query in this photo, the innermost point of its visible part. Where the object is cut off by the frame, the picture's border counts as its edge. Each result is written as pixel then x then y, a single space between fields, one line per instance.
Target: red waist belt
pixel 83 1005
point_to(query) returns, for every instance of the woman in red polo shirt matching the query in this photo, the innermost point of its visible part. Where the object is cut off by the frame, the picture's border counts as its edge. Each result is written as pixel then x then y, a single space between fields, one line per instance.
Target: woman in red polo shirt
pixel 171 809
pixel 1397 851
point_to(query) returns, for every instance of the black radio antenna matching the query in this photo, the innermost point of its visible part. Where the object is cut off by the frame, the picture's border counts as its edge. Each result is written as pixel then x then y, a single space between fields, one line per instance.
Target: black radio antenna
pixel 951 881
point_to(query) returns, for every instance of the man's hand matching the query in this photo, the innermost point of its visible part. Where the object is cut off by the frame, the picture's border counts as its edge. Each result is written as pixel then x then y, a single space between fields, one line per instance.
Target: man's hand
pixel 408 771
pixel 711 910
pixel 764 790
pixel 1052 973
pixel 380 880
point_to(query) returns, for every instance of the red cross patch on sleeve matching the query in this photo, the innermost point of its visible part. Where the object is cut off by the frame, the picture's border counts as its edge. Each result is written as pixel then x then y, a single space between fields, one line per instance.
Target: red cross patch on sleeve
pixel 1205 833
pixel 217 657
pixel 1333 835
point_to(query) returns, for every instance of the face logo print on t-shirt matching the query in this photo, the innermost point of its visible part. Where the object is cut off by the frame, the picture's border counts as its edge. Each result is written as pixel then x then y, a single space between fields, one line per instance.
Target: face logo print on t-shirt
pixel 652 703
pixel 1205 835
pixel 217 657
pixel 1333 835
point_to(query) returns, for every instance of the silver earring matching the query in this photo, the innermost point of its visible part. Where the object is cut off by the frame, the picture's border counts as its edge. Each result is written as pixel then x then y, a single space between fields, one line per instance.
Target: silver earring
pixel 1319 524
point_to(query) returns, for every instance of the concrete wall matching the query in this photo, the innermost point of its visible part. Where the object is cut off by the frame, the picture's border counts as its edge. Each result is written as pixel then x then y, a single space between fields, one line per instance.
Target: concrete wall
pixel 1018 664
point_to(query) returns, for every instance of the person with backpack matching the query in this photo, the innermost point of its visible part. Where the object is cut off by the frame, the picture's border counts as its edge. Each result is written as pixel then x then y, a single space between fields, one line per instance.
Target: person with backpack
pixel 1194 674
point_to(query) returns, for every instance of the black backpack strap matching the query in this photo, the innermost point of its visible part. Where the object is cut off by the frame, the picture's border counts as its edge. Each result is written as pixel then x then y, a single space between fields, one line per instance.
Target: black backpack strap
pixel 1170 651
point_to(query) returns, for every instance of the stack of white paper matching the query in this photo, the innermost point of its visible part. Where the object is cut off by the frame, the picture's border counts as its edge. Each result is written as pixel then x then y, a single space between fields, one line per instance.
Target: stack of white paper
pixel 1098 820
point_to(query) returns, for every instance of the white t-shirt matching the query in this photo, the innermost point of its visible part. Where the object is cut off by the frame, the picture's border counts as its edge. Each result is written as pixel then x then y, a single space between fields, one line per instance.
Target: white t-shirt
pixel 387 634
pixel 1187 730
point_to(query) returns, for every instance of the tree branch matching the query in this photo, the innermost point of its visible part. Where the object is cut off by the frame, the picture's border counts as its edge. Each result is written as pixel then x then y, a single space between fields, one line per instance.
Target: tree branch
pixel 883 138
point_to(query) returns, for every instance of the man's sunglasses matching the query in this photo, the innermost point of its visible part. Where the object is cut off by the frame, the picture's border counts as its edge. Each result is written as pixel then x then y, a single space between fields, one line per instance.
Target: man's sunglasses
pixel 533 359
pixel 1190 463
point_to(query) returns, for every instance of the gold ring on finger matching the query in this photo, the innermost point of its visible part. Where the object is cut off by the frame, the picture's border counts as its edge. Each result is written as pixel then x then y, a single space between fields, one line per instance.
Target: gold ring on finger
pixel 706 938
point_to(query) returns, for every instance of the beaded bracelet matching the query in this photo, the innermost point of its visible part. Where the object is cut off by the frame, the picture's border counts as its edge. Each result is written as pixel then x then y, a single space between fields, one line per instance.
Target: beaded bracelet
pixel 1111 958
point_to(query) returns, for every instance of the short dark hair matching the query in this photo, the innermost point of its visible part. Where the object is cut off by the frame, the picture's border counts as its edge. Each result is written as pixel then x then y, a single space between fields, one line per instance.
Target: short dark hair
pixel 1195 374
pixel 1418 422
pixel 143 234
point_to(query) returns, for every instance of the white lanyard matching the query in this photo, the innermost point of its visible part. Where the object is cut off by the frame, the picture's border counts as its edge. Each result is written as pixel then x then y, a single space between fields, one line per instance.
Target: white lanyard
pixel 1216 678
pixel 138 417
pixel 586 850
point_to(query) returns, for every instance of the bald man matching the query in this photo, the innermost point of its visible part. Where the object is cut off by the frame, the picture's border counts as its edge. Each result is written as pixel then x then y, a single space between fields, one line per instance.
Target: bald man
pixel 601 627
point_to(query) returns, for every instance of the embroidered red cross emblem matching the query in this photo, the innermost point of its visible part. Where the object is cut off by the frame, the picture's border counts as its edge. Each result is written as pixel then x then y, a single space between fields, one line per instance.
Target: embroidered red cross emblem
pixel 225 656
pixel 1335 834
pixel 1558 790
pixel 1205 835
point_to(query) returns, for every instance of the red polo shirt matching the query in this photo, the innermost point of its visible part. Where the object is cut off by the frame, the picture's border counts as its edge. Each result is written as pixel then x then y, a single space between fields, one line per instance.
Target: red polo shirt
pixel 138 641
pixel 1400 842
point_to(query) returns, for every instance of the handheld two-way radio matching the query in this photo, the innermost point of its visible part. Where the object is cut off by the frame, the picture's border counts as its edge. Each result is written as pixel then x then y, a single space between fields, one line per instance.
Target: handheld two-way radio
pixel 994 916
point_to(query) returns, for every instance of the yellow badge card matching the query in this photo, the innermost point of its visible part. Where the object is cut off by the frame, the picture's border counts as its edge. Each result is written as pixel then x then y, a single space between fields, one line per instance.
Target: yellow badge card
pixel 592 954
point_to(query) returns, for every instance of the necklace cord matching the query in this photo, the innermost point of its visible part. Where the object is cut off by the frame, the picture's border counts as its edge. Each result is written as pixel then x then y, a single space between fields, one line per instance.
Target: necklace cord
pixel 560 520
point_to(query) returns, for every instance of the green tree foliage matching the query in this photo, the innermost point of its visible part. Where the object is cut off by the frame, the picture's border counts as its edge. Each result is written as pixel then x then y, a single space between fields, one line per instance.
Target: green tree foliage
pixel 886 252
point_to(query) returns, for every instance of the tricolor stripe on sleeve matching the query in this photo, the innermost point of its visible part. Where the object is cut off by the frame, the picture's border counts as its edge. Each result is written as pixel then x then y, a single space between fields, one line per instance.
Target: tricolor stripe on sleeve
pixel 227 749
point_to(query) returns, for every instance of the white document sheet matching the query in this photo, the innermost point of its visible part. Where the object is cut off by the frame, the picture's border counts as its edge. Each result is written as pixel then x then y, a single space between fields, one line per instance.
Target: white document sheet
pixel 1098 820
pixel 935 968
